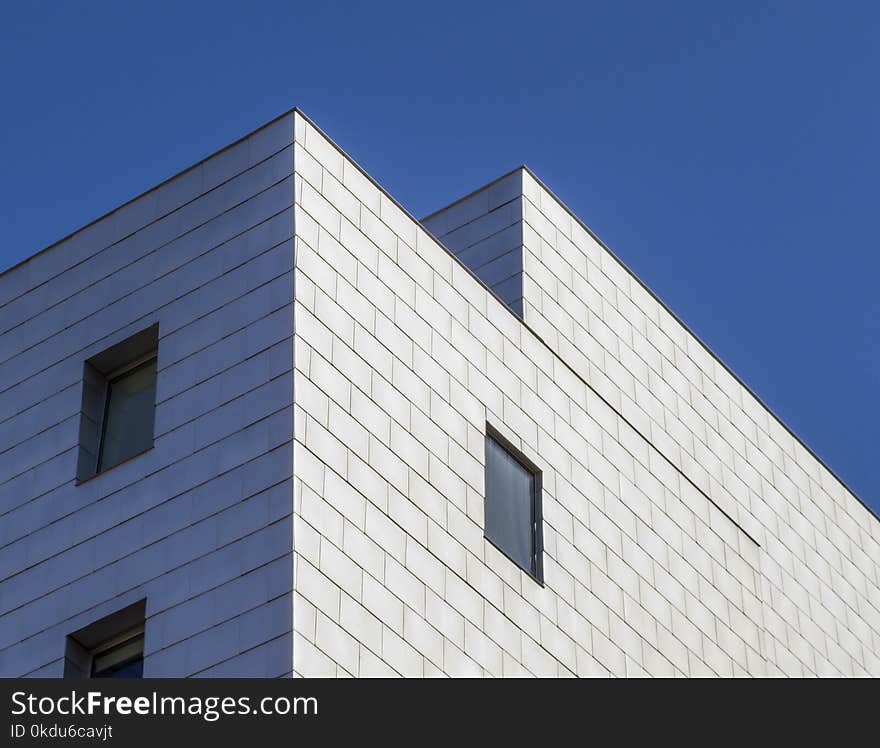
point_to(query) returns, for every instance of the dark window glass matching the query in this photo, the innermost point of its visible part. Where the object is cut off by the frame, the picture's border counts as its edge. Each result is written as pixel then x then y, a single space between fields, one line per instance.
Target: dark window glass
pixel 123 658
pixel 111 647
pixel 511 506
pixel 128 417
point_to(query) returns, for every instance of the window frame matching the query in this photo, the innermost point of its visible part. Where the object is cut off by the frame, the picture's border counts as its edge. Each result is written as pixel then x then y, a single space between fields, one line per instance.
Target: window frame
pixel 116 642
pixel 101 636
pixel 537 513
pixel 113 377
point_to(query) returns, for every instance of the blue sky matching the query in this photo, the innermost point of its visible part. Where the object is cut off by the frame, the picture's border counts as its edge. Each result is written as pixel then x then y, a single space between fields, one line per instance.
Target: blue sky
pixel 728 152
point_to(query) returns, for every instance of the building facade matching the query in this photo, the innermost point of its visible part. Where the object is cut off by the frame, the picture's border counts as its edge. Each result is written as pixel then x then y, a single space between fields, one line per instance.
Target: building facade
pixel 260 421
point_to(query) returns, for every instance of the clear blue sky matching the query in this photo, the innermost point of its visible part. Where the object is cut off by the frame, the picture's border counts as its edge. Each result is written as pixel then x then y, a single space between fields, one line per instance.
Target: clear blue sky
pixel 728 152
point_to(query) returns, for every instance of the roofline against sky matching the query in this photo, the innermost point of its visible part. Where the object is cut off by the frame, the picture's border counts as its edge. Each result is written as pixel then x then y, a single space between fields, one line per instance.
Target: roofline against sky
pixel 148 191
pixel 653 294
pixel 521 167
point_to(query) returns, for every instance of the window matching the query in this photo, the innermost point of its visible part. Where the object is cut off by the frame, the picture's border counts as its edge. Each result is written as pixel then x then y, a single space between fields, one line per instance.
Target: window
pixel 513 504
pixel 122 657
pixel 112 647
pixel 128 414
pixel 118 403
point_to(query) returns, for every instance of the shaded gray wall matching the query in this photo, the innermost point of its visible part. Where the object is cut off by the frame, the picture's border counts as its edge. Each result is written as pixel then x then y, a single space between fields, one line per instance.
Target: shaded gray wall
pixel 199 525
pixel 484 230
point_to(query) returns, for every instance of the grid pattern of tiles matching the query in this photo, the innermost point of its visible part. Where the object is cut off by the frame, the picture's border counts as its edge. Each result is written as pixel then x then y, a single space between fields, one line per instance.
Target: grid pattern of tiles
pixel 401 357
pixel 820 546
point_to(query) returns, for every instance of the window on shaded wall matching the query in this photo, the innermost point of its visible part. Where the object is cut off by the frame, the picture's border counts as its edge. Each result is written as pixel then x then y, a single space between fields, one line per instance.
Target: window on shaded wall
pixel 118 403
pixel 513 504
pixel 128 413
pixel 112 647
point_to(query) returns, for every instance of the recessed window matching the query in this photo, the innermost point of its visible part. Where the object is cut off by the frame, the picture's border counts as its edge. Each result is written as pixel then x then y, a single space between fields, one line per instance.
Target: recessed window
pixel 513 504
pixel 111 647
pixel 122 657
pixel 128 413
pixel 118 403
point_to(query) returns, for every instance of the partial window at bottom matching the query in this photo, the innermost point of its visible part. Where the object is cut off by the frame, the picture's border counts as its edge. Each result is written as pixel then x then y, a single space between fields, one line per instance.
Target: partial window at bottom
pixel 122 657
pixel 111 647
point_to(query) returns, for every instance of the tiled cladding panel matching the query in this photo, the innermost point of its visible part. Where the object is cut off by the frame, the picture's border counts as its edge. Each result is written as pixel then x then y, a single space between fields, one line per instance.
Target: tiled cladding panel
pixel 686 532
pixel 201 524
pixel 820 545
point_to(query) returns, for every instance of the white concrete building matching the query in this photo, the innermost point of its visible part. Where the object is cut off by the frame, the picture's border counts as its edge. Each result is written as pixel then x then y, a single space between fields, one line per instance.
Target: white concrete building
pixel 260 421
